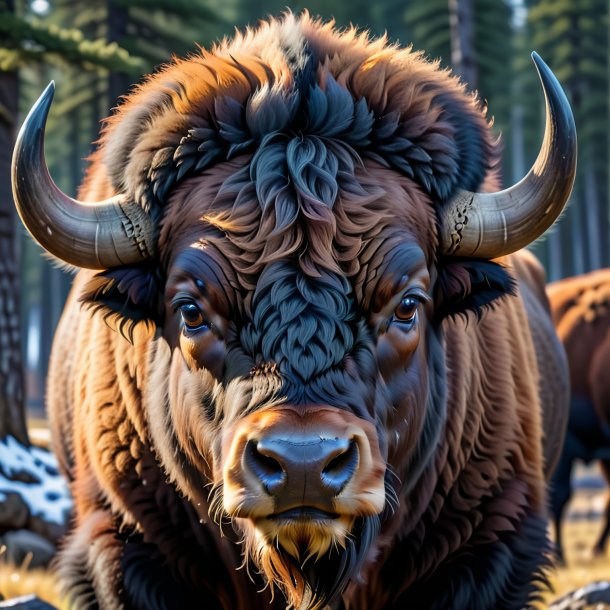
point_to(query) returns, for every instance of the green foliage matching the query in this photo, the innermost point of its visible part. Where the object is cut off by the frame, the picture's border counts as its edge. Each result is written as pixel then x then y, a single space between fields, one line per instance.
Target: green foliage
pixel 27 41
pixel 427 27
pixel 572 37
pixel 185 10
pixel 140 33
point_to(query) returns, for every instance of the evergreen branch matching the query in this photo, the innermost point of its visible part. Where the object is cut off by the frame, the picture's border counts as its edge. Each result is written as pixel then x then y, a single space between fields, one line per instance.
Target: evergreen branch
pixel 185 9
pixel 145 33
pixel 32 40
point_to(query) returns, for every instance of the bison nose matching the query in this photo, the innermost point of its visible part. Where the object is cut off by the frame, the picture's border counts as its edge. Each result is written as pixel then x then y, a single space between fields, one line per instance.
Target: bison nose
pixel 303 469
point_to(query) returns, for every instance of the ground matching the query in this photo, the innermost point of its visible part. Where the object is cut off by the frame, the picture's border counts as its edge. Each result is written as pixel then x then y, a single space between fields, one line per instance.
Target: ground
pixel 581 529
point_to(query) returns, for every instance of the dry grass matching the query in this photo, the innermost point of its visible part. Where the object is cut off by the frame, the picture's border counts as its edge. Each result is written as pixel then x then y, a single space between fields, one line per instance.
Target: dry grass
pixel 16 581
pixel 580 532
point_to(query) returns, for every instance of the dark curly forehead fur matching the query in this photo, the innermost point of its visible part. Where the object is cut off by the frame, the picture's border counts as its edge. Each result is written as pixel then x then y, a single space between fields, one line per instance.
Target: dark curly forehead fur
pixel 304 97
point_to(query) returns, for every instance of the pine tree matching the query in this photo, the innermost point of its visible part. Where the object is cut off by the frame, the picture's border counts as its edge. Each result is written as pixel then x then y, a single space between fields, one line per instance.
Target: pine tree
pixel 477 44
pixel 573 40
pixel 25 44
pixel 461 25
pixel 12 412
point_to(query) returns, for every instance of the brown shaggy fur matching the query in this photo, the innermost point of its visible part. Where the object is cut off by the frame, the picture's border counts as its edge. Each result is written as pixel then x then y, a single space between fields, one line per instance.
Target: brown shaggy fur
pixel 581 313
pixel 339 221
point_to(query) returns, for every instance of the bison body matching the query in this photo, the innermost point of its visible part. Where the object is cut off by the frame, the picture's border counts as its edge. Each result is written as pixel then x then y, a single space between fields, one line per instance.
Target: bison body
pixel 294 373
pixel 581 313
pixel 471 522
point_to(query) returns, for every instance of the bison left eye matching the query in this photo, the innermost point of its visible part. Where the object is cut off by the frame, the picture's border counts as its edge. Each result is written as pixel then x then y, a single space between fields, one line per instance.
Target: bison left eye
pixel 192 317
pixel 405 314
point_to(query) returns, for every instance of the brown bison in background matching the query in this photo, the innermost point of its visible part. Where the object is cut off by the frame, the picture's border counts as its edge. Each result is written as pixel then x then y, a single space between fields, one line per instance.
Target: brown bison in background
pixel 296 356
pixel 581 313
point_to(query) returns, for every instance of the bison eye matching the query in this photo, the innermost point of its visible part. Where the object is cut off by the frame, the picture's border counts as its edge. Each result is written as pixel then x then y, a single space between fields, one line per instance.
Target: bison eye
pixel 192 317
pixel 406 313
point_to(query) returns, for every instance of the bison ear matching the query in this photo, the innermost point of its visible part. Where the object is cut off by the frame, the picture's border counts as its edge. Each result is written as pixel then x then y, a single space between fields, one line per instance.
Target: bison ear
pixel 465 285
pixel 126 296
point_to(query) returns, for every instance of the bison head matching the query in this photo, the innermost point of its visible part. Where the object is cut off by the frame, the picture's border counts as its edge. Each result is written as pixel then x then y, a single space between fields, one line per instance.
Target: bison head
pixel 293 214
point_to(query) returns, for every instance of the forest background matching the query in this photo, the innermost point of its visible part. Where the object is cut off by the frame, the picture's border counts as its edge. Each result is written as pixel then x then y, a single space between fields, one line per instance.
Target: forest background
pixel 96 49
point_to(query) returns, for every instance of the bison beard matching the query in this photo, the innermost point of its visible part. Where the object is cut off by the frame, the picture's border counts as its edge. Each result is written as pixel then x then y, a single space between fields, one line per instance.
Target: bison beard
pixel 308 577
pixel 298 354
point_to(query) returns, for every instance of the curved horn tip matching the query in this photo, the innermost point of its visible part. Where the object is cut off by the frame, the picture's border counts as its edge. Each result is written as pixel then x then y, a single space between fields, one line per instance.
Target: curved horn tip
pixel 43 103
pixel 542 66
pixel 49 91
pixel 50 87
pixel 546 75
pixel 559 100
pixel 537 59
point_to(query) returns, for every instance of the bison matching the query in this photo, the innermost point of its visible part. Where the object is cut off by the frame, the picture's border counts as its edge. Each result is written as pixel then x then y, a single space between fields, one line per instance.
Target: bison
pixel 581 312
pixel 291 371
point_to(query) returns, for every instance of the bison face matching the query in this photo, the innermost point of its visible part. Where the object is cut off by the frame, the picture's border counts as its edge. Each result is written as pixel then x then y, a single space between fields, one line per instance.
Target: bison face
pixel 286 390
pixel 295 234
pixel 299 405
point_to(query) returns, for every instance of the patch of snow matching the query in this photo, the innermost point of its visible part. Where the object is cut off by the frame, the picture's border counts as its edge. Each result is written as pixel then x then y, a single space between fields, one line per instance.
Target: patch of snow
pixel 48 498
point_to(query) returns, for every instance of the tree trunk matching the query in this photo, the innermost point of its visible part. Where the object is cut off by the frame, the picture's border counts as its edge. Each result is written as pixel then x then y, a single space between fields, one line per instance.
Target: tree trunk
pixel 574 219
pixel 461 22
pixel 555 266
pixel 518 147
pixel 118 83
pixel 12 403
pixel 592 210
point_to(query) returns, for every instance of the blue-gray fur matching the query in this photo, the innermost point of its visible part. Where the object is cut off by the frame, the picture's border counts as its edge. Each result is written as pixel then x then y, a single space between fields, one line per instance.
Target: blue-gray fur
pixel 471 149
pixel 303 325
pixel 503 575
pixel 436 412
pixel 295 120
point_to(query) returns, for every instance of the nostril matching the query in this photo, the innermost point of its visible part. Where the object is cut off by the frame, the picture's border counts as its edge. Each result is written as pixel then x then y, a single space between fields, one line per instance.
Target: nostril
pixel 265 467
pixel 339 471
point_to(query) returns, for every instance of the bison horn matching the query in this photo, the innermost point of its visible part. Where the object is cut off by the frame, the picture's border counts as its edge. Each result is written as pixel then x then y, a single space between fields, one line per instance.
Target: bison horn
pixel 94 235
pixel 488 225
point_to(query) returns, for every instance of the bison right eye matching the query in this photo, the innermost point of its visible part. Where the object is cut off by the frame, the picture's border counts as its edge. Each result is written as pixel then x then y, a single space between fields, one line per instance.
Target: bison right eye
pixel 406 312
pixel 192 317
